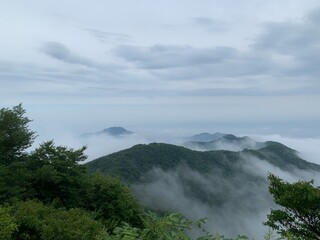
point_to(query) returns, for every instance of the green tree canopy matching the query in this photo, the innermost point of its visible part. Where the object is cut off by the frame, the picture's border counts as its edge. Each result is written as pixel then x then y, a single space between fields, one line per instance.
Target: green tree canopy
pixel 7 223
pixel 57 174
pixel 35 220
pixel 15 135
pixel 54 175
pixel 299 212
pixel 112 201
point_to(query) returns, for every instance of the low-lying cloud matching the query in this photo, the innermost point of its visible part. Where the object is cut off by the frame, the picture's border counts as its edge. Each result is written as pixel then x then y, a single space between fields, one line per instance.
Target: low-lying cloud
pixel 99 145
pixel 241 201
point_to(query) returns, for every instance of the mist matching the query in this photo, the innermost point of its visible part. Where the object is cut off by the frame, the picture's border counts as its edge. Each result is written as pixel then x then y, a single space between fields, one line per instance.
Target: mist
pixel 97 145
pixel 219 144
pixel 242 201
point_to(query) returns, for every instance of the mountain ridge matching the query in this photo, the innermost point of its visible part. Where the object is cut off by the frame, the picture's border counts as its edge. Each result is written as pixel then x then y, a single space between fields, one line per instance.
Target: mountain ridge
pixel 225 142
pixel 228 187
pixel 131 163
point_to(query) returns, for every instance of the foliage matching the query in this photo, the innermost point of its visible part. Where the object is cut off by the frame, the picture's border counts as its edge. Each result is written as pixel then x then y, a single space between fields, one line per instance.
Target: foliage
pixel 56 174
pixel 14 182
pixel 38 221
pixel 169 227
pixel 15 135
pixel 53 175
pixel 112 201
pixel 7 223
pixel 299 213
pixel 49 173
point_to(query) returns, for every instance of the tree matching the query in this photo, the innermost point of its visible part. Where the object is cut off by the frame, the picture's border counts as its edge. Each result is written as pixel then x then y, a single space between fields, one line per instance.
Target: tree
pixel 299 213
pixel 49 173
pixel 53 175
pixel 112 201
pixel 45 222
pixel 15 135
pixel 57 174
pixel 7 223
pixel 169 227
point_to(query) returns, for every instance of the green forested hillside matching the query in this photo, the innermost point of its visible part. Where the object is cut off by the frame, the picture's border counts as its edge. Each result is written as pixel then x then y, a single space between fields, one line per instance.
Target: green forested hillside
pixel 131 164
pixel 230 188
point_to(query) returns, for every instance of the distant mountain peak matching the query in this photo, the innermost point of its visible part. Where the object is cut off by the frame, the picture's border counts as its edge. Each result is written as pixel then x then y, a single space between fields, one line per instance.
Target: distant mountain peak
pixel 116 131
pixel 206 137
pixel 230 137
pixel 228 142
pixel 111 131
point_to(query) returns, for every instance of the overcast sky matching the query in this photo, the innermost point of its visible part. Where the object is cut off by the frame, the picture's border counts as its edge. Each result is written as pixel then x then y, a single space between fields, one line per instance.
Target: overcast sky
pixel 176 66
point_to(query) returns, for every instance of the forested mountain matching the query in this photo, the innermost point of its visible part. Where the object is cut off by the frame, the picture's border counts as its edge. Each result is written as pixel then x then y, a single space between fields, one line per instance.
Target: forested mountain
pixel 132 164
pixel 228 187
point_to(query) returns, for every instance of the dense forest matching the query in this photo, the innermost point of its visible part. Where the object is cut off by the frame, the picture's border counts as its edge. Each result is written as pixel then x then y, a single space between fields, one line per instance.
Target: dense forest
pixel 48 194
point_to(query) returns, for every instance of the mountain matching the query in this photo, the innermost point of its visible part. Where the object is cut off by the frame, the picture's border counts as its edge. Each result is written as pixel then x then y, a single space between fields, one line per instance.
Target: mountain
pixel 131 164
pixel 225 142
pixel 230 188
pixel 112 131
pixel 278 155
pixel 206 137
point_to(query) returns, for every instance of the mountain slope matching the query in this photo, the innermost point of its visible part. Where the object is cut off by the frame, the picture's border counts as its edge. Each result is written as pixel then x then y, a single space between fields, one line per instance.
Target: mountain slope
pixel 225 142
pixel 282 156
pixel 229 188
pixel 131 164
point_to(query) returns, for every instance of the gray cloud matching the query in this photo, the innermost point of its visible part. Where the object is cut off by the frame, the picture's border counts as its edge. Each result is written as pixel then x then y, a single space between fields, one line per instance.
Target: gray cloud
pixel 211 25
pixel 108 37
pixel 62 53
pixel 189 63
pixel 169 56
pixel 286 53
pixel 193 74
pixel 296 41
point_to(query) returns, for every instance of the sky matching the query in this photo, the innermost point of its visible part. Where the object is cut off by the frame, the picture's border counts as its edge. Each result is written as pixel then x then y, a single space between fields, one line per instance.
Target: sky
pixel 170 66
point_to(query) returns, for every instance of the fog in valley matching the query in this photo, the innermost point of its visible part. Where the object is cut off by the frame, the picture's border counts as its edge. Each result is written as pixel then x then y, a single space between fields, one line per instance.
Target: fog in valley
pixel 244 203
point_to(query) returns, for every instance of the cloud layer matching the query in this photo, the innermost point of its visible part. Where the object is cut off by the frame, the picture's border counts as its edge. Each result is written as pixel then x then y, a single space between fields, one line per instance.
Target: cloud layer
pixel 209 61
